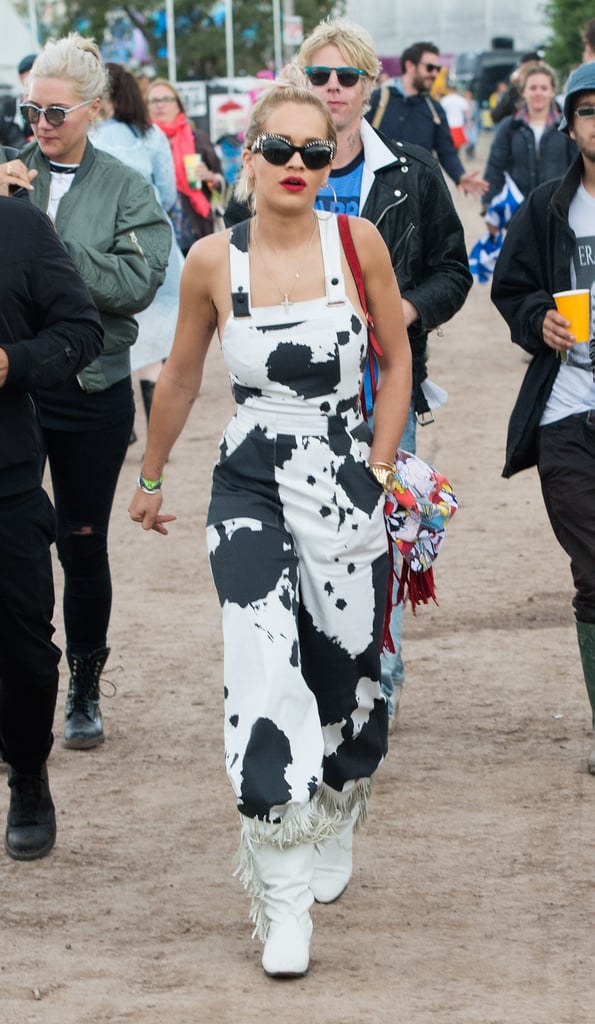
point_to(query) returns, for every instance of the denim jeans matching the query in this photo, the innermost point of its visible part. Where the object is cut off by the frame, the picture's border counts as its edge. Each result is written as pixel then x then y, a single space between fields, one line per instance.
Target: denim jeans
pixel 392 671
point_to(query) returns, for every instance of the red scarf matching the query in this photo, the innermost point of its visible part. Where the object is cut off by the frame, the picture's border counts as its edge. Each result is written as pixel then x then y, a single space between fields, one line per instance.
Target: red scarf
pixel 179 133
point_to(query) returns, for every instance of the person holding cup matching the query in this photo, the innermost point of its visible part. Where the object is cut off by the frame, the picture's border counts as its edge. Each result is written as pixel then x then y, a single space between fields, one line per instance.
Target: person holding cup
pixel 549 250
pixel 197 166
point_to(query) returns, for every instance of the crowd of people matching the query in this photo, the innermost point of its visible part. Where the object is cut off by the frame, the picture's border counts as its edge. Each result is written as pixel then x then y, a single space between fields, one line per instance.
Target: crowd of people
pixel 115 186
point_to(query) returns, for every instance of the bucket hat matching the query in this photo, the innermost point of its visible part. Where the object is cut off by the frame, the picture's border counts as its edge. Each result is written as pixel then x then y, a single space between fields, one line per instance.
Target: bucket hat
pixel 582 79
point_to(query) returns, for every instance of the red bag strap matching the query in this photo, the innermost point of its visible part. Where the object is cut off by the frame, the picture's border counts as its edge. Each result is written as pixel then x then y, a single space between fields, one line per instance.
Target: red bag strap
pixel 358 277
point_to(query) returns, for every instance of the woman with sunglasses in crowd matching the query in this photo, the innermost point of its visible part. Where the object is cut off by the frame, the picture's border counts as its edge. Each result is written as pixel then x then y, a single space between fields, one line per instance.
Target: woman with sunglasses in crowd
pixel 295 532
pixel 197 166
pixel 113 226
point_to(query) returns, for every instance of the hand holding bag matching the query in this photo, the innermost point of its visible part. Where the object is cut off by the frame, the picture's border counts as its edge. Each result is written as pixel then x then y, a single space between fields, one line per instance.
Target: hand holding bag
pixel 417 510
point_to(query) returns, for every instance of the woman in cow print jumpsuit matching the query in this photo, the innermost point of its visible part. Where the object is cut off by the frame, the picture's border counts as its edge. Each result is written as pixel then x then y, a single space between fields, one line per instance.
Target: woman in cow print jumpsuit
pixel 295 533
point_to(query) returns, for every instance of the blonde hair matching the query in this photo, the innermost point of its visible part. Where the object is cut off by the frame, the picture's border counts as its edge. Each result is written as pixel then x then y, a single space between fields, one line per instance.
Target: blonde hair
pixel 354 42
pixel 76 60
pixel 291 87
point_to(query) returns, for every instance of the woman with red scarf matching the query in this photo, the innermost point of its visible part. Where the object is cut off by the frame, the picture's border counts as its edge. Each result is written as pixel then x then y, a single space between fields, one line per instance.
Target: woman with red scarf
pixel 192 216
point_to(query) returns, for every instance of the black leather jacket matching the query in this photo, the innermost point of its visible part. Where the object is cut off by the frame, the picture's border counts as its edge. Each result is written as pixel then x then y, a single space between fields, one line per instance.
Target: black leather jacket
pixel 407 199
pixel 411 206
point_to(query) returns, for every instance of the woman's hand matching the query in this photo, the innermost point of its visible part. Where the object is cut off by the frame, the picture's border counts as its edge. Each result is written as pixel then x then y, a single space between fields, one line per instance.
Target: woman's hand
pixel 144 509
pixel 15 174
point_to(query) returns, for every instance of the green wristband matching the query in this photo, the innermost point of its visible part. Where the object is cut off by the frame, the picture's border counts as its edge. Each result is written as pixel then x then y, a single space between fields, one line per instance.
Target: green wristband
pixel 150 486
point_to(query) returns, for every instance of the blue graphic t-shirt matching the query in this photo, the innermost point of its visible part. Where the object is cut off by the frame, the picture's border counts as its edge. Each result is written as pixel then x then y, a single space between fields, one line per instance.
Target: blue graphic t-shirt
pixel 347 184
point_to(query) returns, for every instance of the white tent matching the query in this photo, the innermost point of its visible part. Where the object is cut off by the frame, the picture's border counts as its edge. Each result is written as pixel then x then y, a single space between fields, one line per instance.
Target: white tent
pixel 15 43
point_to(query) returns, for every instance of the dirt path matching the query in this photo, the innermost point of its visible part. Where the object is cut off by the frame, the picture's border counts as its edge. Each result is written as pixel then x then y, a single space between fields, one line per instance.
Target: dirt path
pixel 472 898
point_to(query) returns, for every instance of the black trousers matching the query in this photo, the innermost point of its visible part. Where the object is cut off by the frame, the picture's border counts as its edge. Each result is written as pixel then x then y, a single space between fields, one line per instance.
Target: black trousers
pixel 28 657
pixel 84 467
pixel 566 466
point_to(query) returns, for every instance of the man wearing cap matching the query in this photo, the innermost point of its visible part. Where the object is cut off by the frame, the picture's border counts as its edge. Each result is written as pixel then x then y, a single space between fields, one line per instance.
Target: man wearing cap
pixel 23 70
pixel 404 110
pixel 549 248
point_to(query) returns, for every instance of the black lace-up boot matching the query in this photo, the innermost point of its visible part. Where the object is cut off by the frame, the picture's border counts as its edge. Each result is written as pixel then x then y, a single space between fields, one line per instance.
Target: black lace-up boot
pixel 83 726
pixel 31 823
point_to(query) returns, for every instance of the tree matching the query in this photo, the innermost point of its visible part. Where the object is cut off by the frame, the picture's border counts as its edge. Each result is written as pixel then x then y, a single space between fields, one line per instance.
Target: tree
pixel 567 18
pixel 199 29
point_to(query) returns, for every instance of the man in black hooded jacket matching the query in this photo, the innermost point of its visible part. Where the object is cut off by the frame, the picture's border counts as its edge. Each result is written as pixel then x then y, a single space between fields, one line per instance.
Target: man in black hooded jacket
pixel 549 248
pixel 49 330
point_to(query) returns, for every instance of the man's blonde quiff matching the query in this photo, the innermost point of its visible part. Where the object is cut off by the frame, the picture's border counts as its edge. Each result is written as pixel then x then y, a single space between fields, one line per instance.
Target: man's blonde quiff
pixel 354 42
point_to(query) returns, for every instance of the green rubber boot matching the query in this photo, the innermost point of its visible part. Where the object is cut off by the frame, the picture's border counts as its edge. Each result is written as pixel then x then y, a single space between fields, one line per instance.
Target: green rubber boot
pixel 586 642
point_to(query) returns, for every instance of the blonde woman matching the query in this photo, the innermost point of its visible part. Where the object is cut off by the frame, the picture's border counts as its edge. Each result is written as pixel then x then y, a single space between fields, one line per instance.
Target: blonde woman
pixel 119 238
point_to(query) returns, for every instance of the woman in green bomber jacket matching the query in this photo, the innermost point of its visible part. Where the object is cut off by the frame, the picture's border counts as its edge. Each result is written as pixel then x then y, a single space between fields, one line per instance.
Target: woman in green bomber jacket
pixel 119 239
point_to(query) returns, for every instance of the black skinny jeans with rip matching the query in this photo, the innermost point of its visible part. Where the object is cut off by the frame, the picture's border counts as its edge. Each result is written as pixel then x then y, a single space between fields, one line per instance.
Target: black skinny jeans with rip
pixel 84 467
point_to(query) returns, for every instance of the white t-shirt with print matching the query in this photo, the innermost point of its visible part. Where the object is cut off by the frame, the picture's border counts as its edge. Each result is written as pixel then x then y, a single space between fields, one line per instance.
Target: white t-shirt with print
pixel 574 388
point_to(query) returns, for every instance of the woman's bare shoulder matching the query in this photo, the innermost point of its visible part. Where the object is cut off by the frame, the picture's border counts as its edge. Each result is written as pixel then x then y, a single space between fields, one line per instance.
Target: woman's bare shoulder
pixel 210 251
pixel 363 231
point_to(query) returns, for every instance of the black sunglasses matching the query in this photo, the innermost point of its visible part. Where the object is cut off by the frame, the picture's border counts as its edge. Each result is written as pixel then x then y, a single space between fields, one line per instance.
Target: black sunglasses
pixel 347 77
pixel 54 115
pixel 585 111
pixel 433 67
pixel 278 150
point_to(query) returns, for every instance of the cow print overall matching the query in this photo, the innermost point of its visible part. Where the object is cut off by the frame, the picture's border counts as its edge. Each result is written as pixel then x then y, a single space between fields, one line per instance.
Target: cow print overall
pixel 298 552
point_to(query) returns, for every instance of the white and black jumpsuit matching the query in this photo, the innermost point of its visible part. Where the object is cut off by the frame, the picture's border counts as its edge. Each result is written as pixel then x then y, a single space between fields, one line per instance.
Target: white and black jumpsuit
pixel 298 551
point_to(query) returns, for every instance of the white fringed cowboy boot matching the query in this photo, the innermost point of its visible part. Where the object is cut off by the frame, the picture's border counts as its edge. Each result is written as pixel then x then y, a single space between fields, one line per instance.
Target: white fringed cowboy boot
pixel 333 861
pixel 285 874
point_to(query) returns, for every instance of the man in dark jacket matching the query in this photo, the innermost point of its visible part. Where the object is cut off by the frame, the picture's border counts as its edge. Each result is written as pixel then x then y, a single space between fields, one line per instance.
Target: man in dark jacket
pixel 549 248
pixel 49 330
pixel 404 110
pixel 401 190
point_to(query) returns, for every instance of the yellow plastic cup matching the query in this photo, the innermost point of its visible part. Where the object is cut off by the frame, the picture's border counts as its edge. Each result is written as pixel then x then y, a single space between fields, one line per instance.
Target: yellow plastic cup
pixel 575 305
pixel 192 162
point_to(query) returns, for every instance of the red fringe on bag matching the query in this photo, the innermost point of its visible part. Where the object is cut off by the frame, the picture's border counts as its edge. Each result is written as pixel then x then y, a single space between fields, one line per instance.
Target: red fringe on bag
pixel 416 587
pixel 387 640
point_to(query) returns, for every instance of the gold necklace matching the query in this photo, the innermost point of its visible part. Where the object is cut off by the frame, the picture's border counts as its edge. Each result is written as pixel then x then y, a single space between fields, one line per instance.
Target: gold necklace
pixel 286 293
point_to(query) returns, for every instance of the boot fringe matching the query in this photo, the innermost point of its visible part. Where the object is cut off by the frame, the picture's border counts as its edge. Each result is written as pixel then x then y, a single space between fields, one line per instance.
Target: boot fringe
pixel 343 804
pixel 313 825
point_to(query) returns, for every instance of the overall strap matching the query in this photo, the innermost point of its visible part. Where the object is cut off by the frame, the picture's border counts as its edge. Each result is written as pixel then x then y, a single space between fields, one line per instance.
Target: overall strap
pixel 334 281
pixel 239 267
